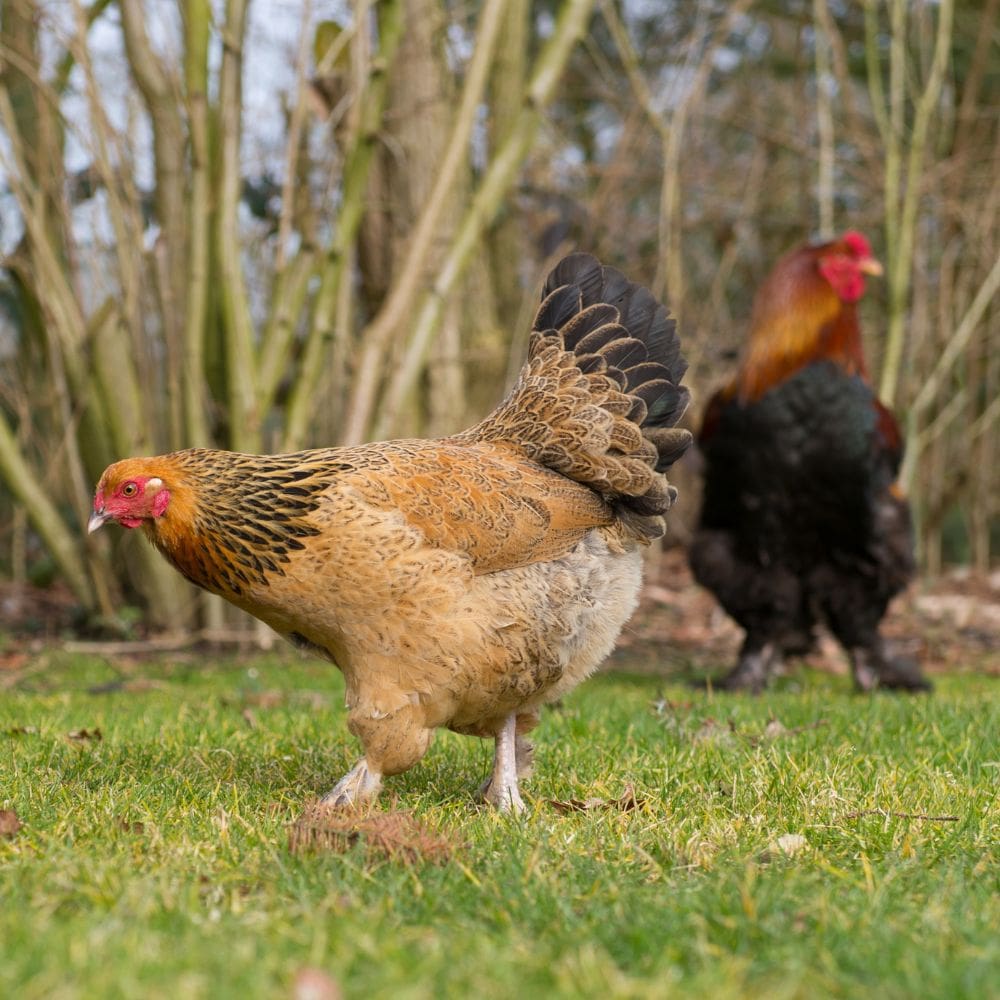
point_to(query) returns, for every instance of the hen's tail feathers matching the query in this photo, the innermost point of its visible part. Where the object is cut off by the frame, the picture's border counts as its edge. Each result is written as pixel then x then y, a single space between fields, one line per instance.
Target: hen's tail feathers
pixel 600 393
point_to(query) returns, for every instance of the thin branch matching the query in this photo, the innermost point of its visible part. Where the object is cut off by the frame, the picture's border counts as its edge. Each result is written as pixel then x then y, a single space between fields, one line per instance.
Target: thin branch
pixel 571 25
pixel 824 118
pixel 900 266
pixel 244 416
pixel 355 182
pixel 295 125
pixel 400 300
pixel 901 815
pixel 197 27
pixel 288 297
pixel 670 280
pixel 65 67
pixel 952 352
pixel 60 542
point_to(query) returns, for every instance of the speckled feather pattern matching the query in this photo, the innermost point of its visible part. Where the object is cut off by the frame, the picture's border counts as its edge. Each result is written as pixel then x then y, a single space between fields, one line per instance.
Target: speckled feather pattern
pixel 459 580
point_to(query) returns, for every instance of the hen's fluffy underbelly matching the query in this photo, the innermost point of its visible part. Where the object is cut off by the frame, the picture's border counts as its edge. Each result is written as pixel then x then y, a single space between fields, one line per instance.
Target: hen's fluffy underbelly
pixel 469 649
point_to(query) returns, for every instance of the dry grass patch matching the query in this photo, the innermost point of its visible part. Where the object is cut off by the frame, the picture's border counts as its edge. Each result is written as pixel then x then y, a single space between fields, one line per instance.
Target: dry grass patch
pixel 395 835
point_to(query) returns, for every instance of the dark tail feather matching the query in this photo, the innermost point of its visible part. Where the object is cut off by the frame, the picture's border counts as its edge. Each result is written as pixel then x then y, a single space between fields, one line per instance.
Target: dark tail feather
pixel 600 393
pixel 603 313
pixel 639 312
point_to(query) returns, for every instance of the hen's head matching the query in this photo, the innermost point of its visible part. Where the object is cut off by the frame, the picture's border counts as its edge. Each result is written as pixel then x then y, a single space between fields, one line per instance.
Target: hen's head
pixel 130 493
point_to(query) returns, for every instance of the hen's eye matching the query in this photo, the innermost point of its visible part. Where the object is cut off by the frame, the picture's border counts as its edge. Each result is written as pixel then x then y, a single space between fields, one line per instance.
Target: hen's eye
pixel 129 490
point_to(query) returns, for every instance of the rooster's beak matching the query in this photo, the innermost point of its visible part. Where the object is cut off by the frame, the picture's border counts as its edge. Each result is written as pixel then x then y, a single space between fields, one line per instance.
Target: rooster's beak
pixel 869 265
pixel 98 518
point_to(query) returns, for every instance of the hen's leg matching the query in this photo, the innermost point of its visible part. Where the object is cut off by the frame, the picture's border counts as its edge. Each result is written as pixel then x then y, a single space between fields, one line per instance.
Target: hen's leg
pixel 361 784
pixel 524 751
pixel 392 743
pixel 502 791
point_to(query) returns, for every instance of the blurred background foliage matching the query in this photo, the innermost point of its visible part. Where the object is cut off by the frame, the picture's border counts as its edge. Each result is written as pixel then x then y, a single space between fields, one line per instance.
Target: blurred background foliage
pixel 271 224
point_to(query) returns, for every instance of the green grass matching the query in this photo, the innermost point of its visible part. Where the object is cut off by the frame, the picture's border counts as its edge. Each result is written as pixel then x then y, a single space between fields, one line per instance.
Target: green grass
pixel 681 896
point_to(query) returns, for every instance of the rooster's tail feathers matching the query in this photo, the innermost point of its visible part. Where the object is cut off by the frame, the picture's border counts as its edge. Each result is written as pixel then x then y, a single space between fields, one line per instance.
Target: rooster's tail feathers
pixel 600 393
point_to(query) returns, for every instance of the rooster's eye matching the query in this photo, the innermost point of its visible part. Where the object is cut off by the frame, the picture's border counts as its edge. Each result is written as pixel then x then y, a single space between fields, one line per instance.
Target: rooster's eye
pixel 129 490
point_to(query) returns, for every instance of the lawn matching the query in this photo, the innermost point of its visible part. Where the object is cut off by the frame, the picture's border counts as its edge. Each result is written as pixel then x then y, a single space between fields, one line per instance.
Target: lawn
pixel 809 843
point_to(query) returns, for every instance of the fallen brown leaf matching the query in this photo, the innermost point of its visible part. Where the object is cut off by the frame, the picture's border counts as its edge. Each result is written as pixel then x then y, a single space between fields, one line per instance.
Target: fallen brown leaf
pixel 82 735
pixel 10 823
pixel 22 731
pixel 626 802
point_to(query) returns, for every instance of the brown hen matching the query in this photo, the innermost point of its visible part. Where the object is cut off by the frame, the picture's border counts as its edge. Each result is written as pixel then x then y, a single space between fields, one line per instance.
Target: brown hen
pixel 462 582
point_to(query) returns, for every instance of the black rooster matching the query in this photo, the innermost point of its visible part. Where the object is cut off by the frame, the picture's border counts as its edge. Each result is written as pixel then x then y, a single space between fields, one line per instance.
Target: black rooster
pixel 802 520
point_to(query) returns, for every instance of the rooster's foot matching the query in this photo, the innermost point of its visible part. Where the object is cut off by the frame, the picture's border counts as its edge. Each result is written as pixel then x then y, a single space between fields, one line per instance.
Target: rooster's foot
pixel 752 671
pixel 501 790
pixel 874 670
pixel 360 785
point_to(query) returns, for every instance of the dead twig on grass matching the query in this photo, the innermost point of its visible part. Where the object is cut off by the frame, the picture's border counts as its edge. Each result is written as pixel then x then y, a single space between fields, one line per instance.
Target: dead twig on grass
pixel 885 813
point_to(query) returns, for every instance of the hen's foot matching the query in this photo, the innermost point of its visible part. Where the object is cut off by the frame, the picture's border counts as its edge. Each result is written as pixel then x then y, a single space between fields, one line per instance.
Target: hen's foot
pixel 873 670
pixel 501 790
pixel 360 785
pixel 752 672
pixel 524 758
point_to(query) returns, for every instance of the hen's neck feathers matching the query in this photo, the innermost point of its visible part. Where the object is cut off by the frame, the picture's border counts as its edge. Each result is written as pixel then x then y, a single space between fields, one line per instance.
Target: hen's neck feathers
pixel 232 519
pixel 797 319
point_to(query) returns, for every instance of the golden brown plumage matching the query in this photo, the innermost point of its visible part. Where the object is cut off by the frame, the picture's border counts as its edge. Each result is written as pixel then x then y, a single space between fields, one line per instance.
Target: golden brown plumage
pixel 461 582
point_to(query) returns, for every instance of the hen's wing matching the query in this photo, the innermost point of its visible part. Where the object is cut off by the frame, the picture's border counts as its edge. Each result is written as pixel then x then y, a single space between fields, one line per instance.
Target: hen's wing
pixel 483 500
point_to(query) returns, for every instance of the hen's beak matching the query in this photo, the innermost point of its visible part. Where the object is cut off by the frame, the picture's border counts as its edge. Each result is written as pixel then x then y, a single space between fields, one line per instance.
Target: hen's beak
pixel 98 518
pixel 869 265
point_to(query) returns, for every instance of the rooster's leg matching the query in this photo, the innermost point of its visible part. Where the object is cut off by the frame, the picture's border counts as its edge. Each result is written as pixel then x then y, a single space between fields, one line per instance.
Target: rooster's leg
pixel 502 790
pixel 874 668
pixel 756 665
pixel 361 784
